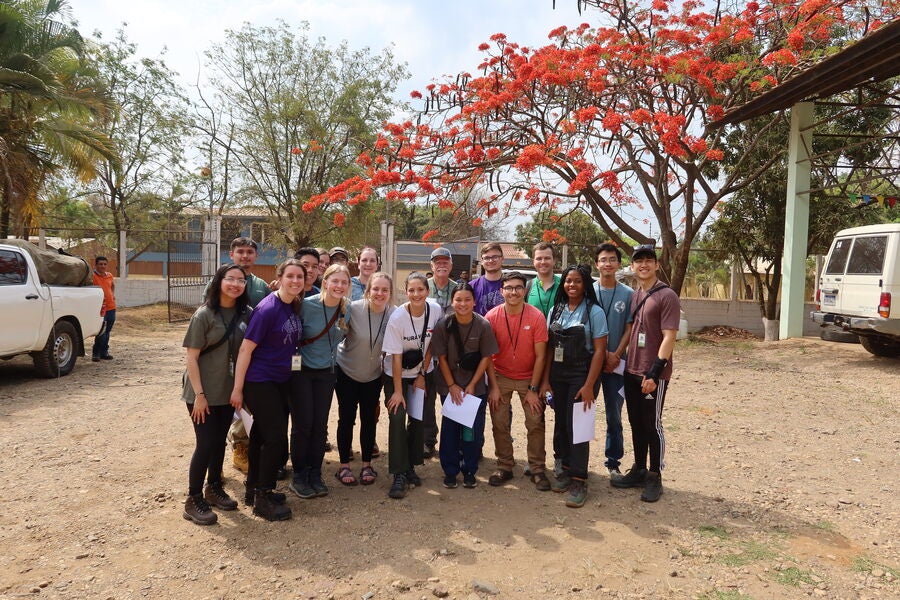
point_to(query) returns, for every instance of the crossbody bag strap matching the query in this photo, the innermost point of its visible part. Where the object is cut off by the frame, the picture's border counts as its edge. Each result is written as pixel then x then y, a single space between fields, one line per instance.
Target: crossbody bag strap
pixel 228 331
pixel 644 299
pixel 331 322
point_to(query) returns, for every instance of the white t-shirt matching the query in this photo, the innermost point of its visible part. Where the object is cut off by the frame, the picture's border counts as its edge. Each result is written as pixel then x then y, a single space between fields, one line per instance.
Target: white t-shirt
pixel 404 332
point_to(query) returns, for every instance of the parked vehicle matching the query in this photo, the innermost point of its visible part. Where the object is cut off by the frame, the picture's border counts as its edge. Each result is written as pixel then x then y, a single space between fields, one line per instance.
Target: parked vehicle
pixel 50 322
pixel 857 285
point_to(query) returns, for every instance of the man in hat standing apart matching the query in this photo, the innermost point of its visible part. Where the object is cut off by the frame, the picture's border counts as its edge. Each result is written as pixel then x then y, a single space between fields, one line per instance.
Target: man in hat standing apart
pixel 656 312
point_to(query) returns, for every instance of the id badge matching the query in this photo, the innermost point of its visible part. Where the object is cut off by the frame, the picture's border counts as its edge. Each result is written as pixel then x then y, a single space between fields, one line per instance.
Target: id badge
pixel 230 369
pixel 558 354
pixel 296 362
pixel 642 339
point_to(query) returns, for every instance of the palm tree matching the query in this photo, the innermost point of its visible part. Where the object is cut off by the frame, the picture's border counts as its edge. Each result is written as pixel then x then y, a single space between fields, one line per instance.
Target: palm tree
pixel 48 105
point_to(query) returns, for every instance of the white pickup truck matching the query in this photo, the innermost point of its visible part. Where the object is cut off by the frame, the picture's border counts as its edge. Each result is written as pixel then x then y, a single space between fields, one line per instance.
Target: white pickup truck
pixel 50 322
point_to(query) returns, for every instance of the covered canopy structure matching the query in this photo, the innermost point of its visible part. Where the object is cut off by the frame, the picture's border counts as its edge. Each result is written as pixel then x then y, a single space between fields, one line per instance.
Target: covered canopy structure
pixel 872 60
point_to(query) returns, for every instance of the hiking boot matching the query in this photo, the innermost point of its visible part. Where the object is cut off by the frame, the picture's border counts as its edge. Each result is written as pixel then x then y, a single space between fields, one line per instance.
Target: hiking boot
pixel 239 458
pixel 302 488
pixel 653 488
pixel 541 482
pixel 215 495
pixel 265 506
pixel 469 480
pixel 197 510
pixel 429 451
pixel 413 479
pixel 450 481
pixel 499 477
pixel 562 483
pixel 635 477
pixel 399 488
pixel 250 497
pixel 577 494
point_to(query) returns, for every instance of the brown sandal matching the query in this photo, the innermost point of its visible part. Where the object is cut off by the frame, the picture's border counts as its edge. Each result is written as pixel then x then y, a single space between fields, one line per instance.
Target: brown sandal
pixel 346 476
pixel 368 475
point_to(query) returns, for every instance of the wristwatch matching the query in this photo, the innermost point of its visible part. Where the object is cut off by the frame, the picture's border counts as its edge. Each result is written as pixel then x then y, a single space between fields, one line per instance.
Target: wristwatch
pixel 533 388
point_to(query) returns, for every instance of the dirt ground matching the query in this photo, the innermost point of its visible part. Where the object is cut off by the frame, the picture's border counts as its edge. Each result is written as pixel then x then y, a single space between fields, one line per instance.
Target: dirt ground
pixel 781 482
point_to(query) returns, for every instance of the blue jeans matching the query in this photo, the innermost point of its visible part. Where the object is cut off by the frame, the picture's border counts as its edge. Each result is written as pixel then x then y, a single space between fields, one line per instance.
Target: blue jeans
pixel 101 342
pixel 461 449
pixel 613 399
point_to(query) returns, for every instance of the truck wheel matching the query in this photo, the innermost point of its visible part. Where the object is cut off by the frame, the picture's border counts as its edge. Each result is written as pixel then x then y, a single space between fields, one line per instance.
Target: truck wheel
pixel 836 335
pixel 880 346
pixel 60 352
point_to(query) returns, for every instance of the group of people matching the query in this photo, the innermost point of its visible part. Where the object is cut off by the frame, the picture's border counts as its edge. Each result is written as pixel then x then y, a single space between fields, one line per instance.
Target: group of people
pixel 557 341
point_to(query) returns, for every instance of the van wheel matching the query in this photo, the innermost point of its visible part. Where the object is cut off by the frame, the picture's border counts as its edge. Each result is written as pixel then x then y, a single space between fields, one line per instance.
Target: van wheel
pixel 880 346
pixel 60 352
pixel 836 335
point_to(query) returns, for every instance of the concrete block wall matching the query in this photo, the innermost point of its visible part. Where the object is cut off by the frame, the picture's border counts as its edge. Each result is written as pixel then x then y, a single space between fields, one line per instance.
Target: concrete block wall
pixel 140 292
pixel 702 313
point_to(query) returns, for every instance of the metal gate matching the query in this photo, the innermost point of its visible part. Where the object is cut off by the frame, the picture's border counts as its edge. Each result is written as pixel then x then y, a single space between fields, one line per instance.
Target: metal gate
pixel 190 264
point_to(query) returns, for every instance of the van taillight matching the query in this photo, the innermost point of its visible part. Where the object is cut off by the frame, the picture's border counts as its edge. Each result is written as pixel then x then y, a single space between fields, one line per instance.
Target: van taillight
pixel 818 299
pixel 884 305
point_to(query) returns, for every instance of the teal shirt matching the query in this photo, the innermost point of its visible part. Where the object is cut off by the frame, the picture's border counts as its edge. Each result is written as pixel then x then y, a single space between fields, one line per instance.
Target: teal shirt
pixel 616 305
pixel 321 354
pixel 540 299
pixel 594 323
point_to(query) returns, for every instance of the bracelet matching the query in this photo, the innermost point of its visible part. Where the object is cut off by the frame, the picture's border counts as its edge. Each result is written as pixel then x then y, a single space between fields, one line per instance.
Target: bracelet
pixel 199 394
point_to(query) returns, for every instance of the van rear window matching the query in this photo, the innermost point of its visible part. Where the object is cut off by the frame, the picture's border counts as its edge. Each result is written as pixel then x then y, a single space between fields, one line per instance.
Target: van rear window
pixel 839 257
pixel 867 256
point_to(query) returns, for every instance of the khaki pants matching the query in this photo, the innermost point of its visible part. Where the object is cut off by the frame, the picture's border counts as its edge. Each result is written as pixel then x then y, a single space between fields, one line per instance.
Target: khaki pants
pixel 534 425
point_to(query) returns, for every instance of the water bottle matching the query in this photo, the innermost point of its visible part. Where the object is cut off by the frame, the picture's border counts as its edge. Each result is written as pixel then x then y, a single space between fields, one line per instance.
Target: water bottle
pixel 548 397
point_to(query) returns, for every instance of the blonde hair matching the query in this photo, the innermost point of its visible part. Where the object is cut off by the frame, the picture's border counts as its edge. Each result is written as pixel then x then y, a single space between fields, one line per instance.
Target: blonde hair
pixel 335 268
pixel 373 277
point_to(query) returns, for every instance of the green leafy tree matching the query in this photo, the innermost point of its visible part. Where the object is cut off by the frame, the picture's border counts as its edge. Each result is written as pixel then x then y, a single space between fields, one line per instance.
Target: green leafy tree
pixel 302 110
pixel 49 107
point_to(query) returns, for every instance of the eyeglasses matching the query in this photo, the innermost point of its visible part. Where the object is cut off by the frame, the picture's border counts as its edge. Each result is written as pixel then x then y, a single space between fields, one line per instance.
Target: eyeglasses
pixel 513 288
pixel 492 257
pixel 235 281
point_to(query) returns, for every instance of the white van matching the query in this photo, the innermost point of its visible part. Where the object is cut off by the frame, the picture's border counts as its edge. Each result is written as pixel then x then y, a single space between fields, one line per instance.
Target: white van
pixel 861 276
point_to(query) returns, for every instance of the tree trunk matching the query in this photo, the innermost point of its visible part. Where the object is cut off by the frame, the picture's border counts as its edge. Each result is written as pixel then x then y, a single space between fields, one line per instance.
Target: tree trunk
pixel 771 328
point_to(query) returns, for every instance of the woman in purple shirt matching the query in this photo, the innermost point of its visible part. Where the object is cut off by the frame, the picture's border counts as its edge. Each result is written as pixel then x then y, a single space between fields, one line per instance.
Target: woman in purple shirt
pixel 262 380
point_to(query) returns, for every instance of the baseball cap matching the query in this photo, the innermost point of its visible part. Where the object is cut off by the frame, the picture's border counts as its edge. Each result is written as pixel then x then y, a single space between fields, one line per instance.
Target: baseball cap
pixel 440 252
pixel 338 250
pixel 644 251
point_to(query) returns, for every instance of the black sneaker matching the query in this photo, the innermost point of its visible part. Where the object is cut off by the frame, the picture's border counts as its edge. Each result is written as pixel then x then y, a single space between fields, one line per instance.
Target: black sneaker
pixel 216 496
pixel 399 488
pixel 450 481
pixel 107 357
pixel 413 479
pixel 197 510
pixel 635 477
pixel 319 486
pixel 265 506
pixel 282 474
pixel 303 489
pixel 429 451
pixel 653 488
pixel 469 480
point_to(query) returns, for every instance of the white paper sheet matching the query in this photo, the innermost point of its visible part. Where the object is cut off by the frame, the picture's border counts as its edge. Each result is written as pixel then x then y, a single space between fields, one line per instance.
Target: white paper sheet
pixel 247 419
pixel 584 422
pixel 415 402
pixel 464 413
pixel 620 368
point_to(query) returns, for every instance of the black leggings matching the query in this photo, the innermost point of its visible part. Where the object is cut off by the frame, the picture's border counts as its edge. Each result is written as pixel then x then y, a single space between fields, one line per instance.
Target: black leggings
pixel 350 394
pixel 267 401
pixel 310 403
pixel 209 453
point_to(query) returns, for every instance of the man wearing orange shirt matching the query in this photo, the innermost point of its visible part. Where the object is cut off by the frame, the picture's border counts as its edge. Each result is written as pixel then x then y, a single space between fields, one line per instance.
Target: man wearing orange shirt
pixel 107 282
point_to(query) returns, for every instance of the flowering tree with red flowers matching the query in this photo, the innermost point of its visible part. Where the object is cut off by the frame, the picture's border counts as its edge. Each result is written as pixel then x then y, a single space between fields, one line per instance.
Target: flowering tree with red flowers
pixel 610 119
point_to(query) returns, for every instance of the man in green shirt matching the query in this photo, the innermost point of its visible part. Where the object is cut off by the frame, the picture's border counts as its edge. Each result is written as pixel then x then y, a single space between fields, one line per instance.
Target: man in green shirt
pixel 542 290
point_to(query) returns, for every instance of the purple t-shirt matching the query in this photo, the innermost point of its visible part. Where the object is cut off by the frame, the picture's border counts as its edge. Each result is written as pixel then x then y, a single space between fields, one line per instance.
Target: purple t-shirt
pixel 487 294
pixel 275 329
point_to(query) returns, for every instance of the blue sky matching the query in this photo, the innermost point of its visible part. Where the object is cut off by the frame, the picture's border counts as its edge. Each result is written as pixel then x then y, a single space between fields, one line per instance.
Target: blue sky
pixel 433 38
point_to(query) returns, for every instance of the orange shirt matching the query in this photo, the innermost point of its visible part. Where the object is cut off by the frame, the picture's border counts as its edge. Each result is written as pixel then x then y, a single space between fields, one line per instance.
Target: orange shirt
pixel 107 283
pixel 516 336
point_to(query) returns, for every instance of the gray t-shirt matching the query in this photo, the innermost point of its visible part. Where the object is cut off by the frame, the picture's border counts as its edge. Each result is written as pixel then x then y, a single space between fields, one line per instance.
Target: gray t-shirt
pixel 476 336
pixel 205 329
pixel 359 355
